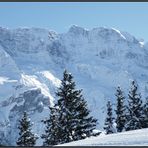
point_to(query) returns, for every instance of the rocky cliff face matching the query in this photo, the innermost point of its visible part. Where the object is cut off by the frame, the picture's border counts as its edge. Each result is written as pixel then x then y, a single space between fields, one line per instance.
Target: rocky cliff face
pixel 32 61
pixel 32 101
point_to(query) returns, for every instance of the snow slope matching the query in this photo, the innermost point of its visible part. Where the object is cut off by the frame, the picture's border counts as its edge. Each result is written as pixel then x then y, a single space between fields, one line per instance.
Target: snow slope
pixel 130 138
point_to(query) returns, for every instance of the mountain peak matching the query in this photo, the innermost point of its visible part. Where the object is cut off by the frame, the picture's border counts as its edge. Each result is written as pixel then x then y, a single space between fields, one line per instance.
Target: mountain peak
pixel 103 31
pixel 76 29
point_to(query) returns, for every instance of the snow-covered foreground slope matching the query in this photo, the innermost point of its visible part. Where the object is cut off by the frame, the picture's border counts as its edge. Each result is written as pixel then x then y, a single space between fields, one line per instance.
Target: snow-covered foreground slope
pixel 32 61
pixel 130 138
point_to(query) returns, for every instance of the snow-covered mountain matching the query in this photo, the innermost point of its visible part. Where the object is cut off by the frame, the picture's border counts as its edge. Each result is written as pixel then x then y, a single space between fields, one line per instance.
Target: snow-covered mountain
pixel 32 61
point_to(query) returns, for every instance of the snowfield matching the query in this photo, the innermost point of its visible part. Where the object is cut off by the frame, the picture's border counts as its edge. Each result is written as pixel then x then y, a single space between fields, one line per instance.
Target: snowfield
pixel 130 138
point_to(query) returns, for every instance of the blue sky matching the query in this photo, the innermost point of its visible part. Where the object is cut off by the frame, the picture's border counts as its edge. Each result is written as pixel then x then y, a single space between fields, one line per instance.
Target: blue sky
pixel 59 16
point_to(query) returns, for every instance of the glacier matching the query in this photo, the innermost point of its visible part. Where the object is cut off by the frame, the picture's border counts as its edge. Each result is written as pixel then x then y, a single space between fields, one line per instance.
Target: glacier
pixel 32 61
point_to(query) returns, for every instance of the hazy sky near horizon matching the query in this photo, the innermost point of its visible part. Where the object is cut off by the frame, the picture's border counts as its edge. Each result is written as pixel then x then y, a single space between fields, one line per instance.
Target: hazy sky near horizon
pixel 59 16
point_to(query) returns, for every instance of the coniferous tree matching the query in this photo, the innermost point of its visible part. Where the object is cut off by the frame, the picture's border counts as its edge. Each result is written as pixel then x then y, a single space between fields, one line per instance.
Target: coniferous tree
pixel 51 132
pixel 85 124
pixel 120 110
pixel 145 114
pixel 134 117
pixel 74 120
pixel 109 120
pixel 27 138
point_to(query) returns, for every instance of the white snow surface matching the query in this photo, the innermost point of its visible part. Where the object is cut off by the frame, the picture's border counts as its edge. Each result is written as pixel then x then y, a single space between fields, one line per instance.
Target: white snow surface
pixel 31 81
pixel 53 79
pixel 130 138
